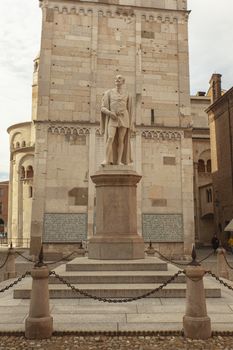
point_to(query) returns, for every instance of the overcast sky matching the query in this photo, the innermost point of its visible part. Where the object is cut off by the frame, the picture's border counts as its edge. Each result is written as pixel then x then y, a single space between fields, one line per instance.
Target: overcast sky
pixel 210 42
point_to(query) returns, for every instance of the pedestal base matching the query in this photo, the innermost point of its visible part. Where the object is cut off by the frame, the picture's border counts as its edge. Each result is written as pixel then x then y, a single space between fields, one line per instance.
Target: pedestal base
pixel 116 215
pixel 197 327
pixel 116 248
pixel 39 328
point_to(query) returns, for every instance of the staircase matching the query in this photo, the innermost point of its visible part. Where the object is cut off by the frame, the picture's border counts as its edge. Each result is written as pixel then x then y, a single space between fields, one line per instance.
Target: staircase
pixel 117 279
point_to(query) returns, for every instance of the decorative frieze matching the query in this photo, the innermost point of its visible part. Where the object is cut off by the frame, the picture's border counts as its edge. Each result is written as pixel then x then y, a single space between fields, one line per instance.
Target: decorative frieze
pixel 68 130
pixel 116 11
pixel 162 134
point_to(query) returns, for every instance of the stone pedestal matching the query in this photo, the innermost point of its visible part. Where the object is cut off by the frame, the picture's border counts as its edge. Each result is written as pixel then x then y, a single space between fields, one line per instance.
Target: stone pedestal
pixel 39 323
pixel 116 215
pixel 196 323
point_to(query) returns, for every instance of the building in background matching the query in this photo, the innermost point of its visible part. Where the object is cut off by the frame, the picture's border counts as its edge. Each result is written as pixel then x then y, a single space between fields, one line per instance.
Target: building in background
pixel 203 196
pixel 83 46
pixel 221 135
pixel 3 207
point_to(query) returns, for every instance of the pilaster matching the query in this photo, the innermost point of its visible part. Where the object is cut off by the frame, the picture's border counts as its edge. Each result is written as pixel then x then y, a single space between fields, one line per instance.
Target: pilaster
pixel 138 167
pixel 187 191
pixel 91 186
pixel 38 204
pixel 94 50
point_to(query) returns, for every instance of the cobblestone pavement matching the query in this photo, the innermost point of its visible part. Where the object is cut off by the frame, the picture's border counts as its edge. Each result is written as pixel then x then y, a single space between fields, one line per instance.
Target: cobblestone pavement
pixel 116 343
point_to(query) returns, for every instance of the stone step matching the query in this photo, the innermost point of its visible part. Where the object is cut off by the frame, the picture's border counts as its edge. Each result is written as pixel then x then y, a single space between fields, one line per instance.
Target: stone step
pixel 147 264
pixel 114 277
pixel 61 291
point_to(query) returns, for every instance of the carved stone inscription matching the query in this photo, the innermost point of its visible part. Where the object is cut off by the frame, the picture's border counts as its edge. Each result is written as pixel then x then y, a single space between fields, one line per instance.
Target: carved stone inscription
pixel 162 227
pixel 65 227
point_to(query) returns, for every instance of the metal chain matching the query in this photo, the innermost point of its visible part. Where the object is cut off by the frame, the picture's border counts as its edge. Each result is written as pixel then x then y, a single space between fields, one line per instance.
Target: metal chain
pixel 24 257
pixel 8 254
pixel 15 282
pixel 171 261
pixel 228 264
pixel 200 261
pixel 220 280
pixel 115 301
pixel 48 263
pixel 179 263
pixel 63 258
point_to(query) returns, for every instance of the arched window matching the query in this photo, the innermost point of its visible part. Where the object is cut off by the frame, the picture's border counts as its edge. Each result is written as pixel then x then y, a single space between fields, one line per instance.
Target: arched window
pixel 17 144
pixel 208 166
pixel 22 172
pixel 23 144
pixel 30 172
pixel 201 166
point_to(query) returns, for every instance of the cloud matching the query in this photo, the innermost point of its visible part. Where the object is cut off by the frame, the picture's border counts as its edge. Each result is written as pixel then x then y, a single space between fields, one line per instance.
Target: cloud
pixel 210 35
pixel 4 176
pixel 20 27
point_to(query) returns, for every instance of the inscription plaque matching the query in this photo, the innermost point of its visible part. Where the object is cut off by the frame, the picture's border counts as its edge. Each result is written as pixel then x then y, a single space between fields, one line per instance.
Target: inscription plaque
pixel 64 228
pixel 162 227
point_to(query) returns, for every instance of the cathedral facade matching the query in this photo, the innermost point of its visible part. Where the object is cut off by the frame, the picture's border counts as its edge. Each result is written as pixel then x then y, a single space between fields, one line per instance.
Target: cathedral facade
pixel 84 45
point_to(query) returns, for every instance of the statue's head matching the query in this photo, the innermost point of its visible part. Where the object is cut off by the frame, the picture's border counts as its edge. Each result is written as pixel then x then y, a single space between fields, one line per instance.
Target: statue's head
pixel 119 80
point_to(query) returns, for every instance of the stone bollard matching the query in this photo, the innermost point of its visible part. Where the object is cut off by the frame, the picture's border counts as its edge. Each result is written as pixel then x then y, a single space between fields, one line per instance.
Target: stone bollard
pixel 39 323
pixel 196 323
pixel 222 270
pixel 10 264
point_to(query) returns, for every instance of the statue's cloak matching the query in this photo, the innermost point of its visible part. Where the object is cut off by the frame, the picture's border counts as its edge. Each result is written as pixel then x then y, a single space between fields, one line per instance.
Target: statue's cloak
pixel 104 121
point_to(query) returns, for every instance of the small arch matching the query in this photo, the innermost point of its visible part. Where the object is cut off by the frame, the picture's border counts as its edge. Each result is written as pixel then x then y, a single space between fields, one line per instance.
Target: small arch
pixel 208 166
pixel 17 145
pixel 23 143
pixel 201 166
pixel 29 172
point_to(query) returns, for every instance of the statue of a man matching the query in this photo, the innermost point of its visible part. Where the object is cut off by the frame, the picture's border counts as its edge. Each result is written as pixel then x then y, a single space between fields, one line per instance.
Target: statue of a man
pixel 117 124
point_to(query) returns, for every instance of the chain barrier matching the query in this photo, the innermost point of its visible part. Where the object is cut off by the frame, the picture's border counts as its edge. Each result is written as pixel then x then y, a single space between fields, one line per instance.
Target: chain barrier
pixel 48 263
pixel 63 258
pixel 171 261
pixel 18 253
pixel 180 263
pixel 219 280
pixel 15 282
pixel 210 254
pixel 115 301
pixel 8 254
pixel 227 262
